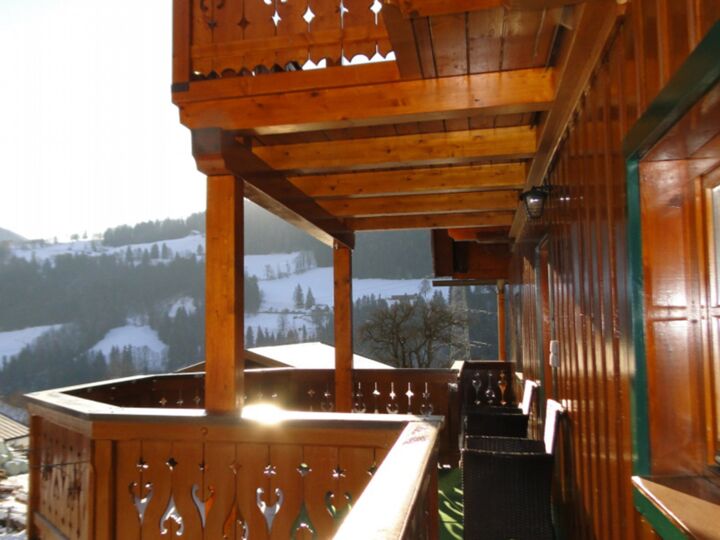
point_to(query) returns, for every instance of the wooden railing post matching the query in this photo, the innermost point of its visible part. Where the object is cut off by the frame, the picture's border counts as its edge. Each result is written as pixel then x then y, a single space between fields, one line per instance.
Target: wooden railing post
pixel 224 312
pixel 342 271
pixel 501 319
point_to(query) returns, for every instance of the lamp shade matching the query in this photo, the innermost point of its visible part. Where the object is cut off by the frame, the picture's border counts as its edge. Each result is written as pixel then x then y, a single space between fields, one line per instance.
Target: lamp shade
pixel 534 200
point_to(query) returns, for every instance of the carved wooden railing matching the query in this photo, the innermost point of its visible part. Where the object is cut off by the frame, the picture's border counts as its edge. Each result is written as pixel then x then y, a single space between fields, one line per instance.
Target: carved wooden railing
pixel 223 38
pixel 421 392
pixel 103 471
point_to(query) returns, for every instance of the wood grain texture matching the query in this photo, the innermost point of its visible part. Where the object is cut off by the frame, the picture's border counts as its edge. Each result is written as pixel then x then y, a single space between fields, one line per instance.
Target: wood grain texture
pixel 343 304
pixel 224 332
pixel 422 180
pixel 431 221
pixel 586 227
pixel 402 151
pixel 509 92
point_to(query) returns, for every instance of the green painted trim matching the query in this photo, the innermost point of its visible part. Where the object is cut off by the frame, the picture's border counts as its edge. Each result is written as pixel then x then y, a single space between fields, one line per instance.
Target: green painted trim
pixel 639 384
pixel 659 521
pixel 698 74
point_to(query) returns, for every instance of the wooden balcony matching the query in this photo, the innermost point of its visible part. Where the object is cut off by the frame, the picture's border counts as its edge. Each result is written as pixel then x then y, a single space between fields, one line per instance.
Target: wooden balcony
pixel 140 457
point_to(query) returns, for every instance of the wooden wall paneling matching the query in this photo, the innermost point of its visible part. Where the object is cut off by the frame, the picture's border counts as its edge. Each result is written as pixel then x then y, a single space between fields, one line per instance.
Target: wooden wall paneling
pixel 623 103
pixel 225 17
pixel 251 460
pixel 604 345
pixel 259 18
pixel 611 345
pixel 157 454
pixel 652 77
pixel 676 34
pixel 707 13
pixel 129 489
pixel 578 381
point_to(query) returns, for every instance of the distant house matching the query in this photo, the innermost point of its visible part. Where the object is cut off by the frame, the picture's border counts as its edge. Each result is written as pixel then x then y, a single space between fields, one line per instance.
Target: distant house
pixel 13 432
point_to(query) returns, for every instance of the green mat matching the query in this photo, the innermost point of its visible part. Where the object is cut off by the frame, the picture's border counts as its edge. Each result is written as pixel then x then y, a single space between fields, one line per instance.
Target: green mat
pixel 450 504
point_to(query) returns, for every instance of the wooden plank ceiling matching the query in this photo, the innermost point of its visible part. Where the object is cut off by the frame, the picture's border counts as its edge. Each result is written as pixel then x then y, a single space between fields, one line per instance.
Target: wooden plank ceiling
pixel 444 137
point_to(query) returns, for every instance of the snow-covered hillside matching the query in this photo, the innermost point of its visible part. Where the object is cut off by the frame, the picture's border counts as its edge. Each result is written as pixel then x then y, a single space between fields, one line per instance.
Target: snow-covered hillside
pixel 11 343
pixel 147 350
pixel 43 251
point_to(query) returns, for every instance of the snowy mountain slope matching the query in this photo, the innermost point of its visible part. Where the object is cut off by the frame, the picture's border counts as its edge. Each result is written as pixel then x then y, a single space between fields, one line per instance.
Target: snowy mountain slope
pixel 11 343
pixel 43 251
pixel 147 348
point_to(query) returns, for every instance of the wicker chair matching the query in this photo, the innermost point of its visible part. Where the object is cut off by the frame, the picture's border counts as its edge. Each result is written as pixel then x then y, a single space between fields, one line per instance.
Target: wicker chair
pixel 507 484
pixel 501 421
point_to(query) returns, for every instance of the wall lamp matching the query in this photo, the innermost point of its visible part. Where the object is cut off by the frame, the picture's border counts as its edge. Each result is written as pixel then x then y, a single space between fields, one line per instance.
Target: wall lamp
pixel 534 200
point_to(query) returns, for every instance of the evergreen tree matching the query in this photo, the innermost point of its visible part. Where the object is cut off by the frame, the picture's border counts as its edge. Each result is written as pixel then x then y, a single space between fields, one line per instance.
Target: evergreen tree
pixel 298 298
pixel 309 299
pixel 249 338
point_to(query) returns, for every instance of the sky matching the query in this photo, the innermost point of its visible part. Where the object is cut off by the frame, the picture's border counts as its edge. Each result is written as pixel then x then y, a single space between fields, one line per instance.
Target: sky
pixel 89 137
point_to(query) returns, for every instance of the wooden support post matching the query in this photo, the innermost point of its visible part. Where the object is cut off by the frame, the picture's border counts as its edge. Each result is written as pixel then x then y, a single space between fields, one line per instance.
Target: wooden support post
pixel 224 332
pixel 501 319
pixel 342 270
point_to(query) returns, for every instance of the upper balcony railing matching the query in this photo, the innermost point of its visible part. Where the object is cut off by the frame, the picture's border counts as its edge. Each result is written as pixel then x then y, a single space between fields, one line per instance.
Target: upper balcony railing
pixel 100 470
pixel 226 38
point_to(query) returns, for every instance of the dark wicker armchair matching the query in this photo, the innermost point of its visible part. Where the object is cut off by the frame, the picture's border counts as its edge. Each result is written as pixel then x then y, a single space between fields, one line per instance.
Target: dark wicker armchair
pixel 507 484
pixel 501 421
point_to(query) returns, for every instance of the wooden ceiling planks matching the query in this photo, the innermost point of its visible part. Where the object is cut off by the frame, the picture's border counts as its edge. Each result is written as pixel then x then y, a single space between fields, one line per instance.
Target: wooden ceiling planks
pixel 403 151
pixel 450 203
pixel 408 181
pixel 430 221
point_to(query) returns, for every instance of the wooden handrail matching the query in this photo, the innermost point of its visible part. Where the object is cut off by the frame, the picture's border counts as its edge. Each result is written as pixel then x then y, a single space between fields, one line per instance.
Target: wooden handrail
pixel 404 476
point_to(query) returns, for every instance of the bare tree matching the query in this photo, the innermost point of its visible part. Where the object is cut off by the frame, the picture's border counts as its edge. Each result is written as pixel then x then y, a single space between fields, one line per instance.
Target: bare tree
pixel 412 334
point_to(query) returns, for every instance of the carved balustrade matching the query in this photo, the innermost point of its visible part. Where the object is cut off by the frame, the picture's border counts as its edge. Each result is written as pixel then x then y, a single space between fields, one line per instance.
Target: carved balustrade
pixel 99 470
pixel 225 38
pixel 421 392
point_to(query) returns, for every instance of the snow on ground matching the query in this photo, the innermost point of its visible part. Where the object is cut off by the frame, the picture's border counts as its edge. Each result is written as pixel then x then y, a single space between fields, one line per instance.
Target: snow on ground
pixel 187 303
pixel 13 498
pixel 260 265
pixel 146 345
pixel 184 247
pixel 272 321
pixel 11 343
pixel 277 294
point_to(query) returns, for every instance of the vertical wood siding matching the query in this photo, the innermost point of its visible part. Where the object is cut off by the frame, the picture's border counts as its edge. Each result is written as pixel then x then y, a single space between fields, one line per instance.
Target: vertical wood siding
pixel 586 227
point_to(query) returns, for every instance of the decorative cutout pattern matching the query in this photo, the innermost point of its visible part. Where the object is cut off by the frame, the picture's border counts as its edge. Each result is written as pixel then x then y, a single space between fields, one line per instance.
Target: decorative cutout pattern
pixel 269 511
pixel 139 501
pixel 171 514
pixel 203 505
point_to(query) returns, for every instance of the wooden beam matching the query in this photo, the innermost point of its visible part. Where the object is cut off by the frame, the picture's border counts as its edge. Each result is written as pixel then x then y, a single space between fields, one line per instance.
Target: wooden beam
pixel 221 153
pixel 456 147
pixel 427 8
pixel 342 283
pixel 402 38
pixel 508 92
pixel 289 81
pixel 595 22
pixel 424 180
pixel 483 201
pixel 224 332
pixel 431 221
pixel 502 353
